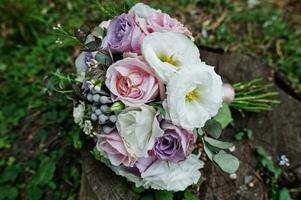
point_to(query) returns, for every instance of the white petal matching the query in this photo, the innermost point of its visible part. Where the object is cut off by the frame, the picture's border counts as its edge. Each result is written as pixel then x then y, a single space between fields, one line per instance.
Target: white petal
pixel 170 45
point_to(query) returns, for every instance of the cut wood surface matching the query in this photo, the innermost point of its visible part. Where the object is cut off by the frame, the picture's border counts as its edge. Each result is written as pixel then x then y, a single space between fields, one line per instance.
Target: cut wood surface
pixel 279 132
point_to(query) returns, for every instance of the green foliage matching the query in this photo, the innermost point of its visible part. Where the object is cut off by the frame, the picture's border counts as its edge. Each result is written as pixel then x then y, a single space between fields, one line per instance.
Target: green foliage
pixel 214 150
pixel 253 96
pixel 213 128
pixel 8 192
pixel 32 123
pixel 189 196
pixel 266 29
pixel 284 194
pixel 218 144
pixel 33 127
pixel 44 173
pixel 267 165
pixel 227 162
pixel 244 134
pixel 163 195
pixel 224 116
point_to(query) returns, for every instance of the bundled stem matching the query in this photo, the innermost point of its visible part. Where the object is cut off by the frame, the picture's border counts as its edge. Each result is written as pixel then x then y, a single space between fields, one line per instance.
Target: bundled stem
pixel 253 96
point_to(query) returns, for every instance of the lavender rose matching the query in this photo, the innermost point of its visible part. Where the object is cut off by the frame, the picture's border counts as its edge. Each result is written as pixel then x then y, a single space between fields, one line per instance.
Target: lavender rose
pixel 123 35
pixel 176 143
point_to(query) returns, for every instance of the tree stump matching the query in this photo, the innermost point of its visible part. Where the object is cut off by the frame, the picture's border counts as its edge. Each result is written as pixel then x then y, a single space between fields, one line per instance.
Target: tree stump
pixel 279 132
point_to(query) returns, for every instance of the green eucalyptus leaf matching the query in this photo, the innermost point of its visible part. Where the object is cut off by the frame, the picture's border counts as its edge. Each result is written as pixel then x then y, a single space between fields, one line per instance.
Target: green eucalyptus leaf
pixel 227 162
pixel 103 58
pixel 224 116
pixel 98 32
pixel 93 45
pixel 208 150
pixel 213 128
pixel 198 132
pixel 218 144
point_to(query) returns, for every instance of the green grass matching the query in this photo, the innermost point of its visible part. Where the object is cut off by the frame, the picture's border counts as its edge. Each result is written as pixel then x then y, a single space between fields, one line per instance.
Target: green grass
pixel 37 134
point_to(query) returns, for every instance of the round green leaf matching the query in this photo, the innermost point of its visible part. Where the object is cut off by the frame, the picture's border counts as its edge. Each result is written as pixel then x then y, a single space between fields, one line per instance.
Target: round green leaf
pixel 227 162
pixel 224 116
pixel 213 128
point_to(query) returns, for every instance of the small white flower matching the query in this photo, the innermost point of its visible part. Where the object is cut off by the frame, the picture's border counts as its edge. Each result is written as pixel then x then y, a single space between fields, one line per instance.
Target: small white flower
pixel 169 52
pixel 166 175
pixel 194 96
pixel 79 113
pixel 139 128
pixel 88 127
pixel 142 10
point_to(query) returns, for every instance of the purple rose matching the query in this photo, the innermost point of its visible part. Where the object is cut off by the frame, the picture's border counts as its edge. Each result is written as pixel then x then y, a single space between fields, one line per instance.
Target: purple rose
pixel 176 143
pixel 123 35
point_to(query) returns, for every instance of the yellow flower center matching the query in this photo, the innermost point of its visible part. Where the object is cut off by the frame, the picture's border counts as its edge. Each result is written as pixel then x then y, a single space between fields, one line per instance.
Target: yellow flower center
pixel 192 95
pixel 170 60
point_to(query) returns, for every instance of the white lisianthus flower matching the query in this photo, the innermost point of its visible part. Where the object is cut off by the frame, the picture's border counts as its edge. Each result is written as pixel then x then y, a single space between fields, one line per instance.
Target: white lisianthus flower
pixel 142 10
pixel 166 175
pixel 169 52
pixel 194 96
pixel 139 128
pixel 79 113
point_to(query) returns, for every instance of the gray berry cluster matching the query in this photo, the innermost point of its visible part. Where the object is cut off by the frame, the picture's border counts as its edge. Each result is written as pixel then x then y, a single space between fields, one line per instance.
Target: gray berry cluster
pixel 101 103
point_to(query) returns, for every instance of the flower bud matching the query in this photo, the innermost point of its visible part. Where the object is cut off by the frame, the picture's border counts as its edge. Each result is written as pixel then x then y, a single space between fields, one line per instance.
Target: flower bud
pixel 117 106
pixel 228 93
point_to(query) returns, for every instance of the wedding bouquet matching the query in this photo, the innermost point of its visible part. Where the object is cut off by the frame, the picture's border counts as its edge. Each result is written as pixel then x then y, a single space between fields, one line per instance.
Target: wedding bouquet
pixel 154 108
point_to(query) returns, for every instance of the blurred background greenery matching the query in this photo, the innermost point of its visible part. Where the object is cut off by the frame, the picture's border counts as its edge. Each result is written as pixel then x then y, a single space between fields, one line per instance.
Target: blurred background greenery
pixel 39 144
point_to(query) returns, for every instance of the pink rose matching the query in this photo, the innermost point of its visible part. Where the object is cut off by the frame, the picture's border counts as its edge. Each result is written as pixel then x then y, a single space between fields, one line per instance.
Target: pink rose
pixel 162 22
pixel 132 81
pixel 113 146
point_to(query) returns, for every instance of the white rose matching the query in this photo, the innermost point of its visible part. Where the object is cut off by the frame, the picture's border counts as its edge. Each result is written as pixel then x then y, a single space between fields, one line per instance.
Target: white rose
pixel 169 52
pixel 194 96
pixel 79 113
pixel 142 10
pixel 166 175
pixel 139 128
